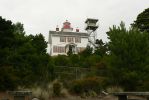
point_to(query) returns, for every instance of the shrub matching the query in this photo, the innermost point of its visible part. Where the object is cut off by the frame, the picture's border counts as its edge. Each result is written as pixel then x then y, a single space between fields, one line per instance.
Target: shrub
pixel 57 87
pixel 144 86
pixel 86 85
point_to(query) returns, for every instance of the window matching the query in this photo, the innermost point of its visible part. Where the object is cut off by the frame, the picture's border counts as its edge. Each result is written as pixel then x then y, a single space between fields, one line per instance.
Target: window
pixel 62 39
pixel 70 39
pixel 77 39
pixel 58 49
pixel 54 49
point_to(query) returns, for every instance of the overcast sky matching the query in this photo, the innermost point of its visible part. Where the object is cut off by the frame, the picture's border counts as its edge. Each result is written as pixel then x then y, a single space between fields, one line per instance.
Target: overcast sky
pixel 40 16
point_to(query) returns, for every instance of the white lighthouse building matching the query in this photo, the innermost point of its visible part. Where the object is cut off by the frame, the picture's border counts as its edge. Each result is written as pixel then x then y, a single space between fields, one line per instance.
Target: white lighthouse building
pixel 65 40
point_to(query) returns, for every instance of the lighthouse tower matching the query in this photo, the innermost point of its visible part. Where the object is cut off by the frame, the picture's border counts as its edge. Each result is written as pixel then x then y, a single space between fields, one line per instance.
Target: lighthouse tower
pixel 91 27
pixel 67 27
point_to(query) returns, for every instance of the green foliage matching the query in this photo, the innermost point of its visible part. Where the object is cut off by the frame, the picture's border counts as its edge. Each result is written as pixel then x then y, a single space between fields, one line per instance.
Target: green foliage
pixel 24 61
pixel 19 28
pixel 6 33
pixel 128 56
pixel 74 60
pixel 39 43
pixel 7 77
pixel 142 21
pixel 7 39
pixel 86 85
pixel 87 52
pixel 91 60
pixel 101 48
pixel 61 60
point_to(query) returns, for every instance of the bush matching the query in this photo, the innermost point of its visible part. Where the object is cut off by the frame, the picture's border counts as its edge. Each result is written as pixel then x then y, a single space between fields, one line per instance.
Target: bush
pixel 57 87
pixel 144 86
pixel 86 85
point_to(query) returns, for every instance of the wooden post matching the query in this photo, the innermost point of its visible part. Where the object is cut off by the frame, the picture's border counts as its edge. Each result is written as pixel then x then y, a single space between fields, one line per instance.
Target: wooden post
pixel 122 97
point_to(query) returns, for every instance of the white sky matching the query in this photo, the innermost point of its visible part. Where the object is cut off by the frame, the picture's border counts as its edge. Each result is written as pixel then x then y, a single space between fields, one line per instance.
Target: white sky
pixel 40 16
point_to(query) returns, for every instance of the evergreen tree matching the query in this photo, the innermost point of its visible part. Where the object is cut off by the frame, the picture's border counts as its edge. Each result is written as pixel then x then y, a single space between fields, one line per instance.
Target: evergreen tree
pixel 128 56
pixel 24 61
pixel 101 48
pixel 142 21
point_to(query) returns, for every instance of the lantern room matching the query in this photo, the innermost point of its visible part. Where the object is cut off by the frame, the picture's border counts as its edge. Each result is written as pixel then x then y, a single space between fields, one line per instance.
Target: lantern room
pixel 67 27
pixel 91 24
